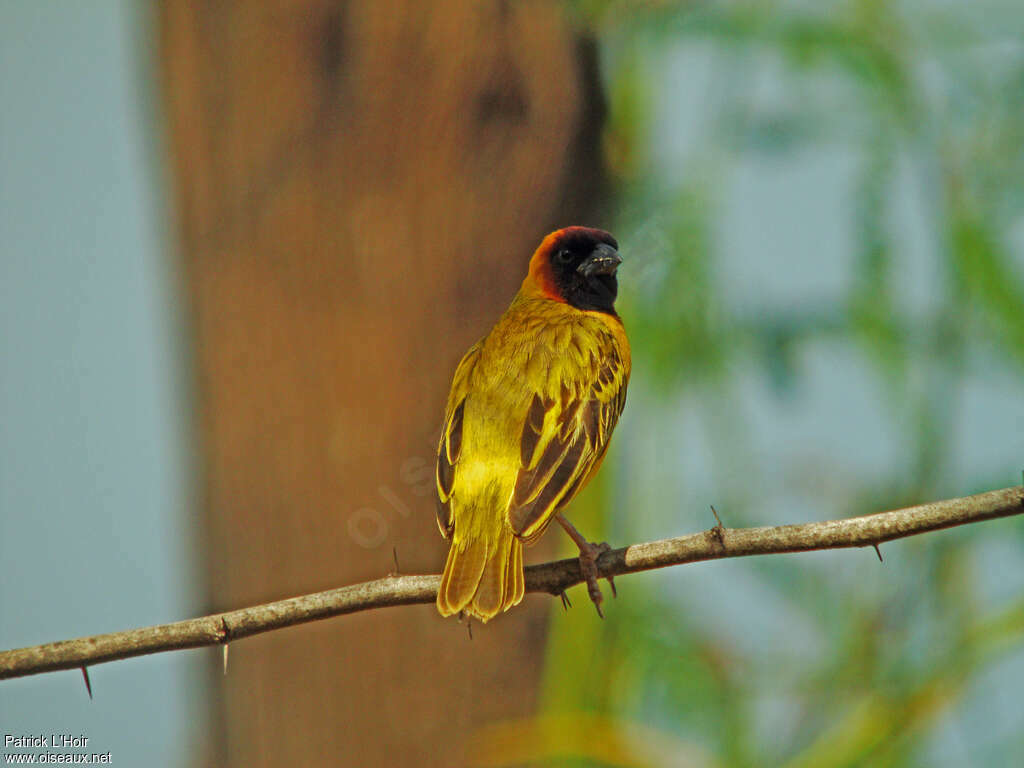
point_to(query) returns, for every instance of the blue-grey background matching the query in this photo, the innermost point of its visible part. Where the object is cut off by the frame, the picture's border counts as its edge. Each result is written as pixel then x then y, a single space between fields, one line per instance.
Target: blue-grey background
pixel 95 507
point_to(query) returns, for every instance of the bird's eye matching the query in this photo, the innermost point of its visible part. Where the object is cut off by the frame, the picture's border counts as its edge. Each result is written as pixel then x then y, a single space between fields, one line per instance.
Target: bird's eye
pixel 564 256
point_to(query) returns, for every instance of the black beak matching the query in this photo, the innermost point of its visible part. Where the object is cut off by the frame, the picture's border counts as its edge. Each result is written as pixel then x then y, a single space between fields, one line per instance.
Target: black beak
pixel 603 260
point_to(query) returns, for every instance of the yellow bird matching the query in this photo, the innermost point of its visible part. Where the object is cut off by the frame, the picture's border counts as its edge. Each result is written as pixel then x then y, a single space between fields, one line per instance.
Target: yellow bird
pixel 529 416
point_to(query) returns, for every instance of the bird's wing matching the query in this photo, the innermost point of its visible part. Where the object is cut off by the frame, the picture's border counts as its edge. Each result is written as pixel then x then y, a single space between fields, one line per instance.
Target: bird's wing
pixel 564 440
pixel 451 440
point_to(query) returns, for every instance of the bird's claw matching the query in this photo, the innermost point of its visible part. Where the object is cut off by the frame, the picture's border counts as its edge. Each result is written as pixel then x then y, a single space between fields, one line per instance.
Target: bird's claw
pixel 588 567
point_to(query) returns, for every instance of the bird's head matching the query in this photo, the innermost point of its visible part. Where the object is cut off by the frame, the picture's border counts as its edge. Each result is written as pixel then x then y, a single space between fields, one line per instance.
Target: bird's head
pixel 577 265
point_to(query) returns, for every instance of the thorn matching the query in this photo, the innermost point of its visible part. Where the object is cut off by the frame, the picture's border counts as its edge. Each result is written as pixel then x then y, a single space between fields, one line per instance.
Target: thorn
pixel 879 553
pixel 566 604
pixel 394 554
pixel 719 530
pixel 88 684
pixel 465 617
pixel 225 637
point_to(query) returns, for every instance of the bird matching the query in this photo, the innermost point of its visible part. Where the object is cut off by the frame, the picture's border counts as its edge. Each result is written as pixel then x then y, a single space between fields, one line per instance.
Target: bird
pixel 528 420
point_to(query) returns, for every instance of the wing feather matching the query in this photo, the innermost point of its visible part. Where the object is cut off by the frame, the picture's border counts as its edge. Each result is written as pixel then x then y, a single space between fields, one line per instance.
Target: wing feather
pixel 450 445
pixel 532 430
pixel 564 439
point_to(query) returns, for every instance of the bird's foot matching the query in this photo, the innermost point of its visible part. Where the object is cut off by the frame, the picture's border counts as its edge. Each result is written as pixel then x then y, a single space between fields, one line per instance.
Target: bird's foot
pixel 588 566
pixel 588 563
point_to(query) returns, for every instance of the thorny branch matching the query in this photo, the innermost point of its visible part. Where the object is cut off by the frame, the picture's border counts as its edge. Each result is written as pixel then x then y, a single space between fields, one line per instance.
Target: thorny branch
pixel 553 578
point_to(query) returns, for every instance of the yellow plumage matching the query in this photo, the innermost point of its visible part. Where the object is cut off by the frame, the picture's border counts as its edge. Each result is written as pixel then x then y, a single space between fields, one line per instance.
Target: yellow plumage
pixel 527 423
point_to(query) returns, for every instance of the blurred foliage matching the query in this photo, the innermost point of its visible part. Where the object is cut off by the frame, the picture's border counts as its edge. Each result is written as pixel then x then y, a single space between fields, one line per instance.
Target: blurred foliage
pixel 821 660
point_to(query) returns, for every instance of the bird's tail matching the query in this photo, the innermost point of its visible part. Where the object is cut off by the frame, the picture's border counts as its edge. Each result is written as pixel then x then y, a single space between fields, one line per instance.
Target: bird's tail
pixel 483 575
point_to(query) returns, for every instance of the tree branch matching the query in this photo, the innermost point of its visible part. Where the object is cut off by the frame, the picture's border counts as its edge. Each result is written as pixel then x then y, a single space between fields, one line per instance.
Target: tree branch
pixel 553 578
